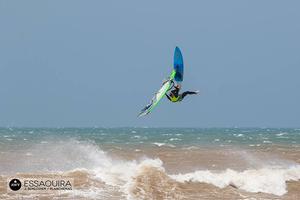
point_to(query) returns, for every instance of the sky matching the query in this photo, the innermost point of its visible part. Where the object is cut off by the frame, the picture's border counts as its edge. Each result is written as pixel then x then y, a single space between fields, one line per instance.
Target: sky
pixel 97 63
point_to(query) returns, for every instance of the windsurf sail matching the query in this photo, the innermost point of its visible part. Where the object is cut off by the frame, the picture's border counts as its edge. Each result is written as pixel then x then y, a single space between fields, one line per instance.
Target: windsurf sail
pixel 178 65
pixel 167 85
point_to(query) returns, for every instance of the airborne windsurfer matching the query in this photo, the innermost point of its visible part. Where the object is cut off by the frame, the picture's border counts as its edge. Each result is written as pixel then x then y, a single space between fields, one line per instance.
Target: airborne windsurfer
pixel 174 95
pixel 170 87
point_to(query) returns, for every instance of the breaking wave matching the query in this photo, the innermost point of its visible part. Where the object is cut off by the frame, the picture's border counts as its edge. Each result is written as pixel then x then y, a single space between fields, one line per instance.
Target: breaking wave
pixel 270 180
pixel 103 175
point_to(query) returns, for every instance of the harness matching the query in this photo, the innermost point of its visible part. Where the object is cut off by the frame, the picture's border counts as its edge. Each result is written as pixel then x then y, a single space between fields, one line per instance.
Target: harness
pixel 174 99
pixel 174 96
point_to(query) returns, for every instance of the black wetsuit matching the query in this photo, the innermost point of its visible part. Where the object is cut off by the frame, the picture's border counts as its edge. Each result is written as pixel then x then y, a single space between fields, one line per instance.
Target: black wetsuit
pixel 181 96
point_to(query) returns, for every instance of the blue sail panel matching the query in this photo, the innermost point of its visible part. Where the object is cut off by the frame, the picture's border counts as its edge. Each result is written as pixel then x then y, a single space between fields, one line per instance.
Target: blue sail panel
pixel 178 65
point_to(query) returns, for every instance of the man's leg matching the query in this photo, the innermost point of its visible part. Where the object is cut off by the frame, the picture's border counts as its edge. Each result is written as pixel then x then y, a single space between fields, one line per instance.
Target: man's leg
pixel 186 93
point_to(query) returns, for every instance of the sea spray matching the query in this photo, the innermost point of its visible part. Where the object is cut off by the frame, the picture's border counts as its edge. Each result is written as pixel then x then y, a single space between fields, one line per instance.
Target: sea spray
pixel 270 180
pixel 106 166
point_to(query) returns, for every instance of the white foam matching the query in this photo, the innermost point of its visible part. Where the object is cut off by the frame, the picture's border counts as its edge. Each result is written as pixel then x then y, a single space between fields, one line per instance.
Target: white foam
pixel 115 172
pixel 267 142
pixel 159 144
pixel 121 174
pixel 270 180
pixel 239 135
pixel 282 133
pixel 174 139
pixel 162 144
pixel 91 193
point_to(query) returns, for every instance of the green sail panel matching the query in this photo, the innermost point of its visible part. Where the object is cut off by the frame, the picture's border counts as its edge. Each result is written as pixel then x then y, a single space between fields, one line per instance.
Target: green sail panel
pixel 158 95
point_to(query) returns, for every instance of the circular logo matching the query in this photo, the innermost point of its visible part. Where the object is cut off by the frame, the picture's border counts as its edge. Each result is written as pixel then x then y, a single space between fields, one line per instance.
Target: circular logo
pixel 15 184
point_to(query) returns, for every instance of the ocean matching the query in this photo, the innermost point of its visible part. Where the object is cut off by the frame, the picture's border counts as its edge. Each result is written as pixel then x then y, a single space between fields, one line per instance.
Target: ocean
pixel 154 163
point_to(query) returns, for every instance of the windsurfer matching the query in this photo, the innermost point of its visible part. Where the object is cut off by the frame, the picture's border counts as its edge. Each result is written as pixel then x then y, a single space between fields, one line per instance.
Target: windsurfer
pixel 174 95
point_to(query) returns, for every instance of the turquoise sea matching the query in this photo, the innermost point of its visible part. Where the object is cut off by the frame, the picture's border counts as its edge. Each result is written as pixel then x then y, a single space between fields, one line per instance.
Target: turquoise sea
pixel 148 136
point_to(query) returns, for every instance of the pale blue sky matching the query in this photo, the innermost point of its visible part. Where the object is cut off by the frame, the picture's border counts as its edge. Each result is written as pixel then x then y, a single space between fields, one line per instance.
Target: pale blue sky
pixel 97 63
